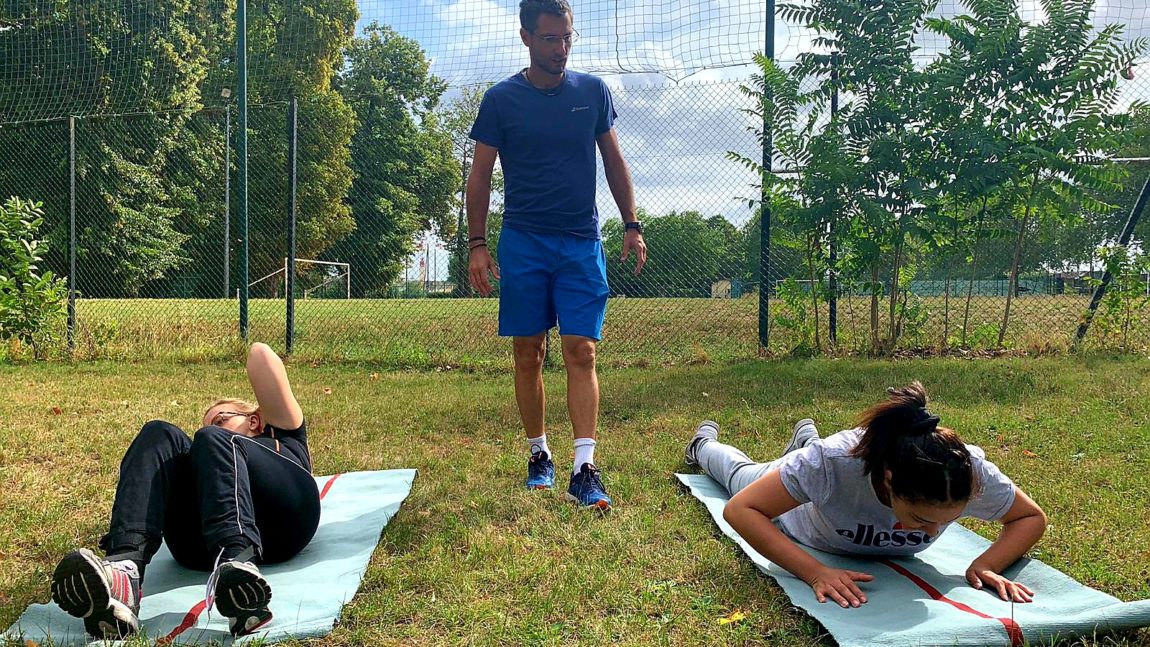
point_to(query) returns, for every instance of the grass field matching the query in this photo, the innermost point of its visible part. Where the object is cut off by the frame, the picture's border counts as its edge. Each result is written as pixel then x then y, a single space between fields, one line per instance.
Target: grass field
pixel 471 559
pixel 462 332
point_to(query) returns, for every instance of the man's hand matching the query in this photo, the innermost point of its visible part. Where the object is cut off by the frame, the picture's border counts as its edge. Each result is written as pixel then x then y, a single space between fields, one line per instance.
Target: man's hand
pixel 478 268
pixel 633 240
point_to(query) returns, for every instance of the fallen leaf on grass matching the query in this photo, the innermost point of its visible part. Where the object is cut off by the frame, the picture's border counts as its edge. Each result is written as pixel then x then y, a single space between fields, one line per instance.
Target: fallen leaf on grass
pixel 736 616
pixel 327 390
pixel 1029 454
pixel 374 376
pixel 57 411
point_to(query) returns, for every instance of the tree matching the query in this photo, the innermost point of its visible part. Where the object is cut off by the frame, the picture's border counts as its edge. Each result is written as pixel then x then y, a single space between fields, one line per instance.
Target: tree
pixel 295 49
pixel 970 150
pixel 125 57
pixel 1060 119
pixel 149 184
pixel 1077 243
pixel 809 196
pixel 867 169
pixel 1006 131
pixel 697 251
pixel 405 175
pixel 457 118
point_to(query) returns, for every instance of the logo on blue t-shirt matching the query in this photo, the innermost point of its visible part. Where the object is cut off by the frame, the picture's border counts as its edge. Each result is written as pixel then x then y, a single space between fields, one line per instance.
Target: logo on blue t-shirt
pixel 865 535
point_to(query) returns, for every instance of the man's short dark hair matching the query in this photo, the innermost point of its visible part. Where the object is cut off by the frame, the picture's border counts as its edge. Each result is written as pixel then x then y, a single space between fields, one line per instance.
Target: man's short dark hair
pixel 530 10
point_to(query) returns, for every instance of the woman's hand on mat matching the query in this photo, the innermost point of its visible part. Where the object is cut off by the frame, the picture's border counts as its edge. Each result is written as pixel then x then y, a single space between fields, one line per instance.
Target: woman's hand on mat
pixel 839 585
pixel 980 577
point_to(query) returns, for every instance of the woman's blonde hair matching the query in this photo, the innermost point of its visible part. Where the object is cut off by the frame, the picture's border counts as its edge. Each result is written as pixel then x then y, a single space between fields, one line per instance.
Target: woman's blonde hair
pixel 237 405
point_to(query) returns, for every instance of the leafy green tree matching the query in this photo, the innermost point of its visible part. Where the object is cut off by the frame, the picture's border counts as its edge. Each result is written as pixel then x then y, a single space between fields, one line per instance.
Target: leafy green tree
pixel 457 117
pixel 406 177
pixel 966 103
pixel 150 184
pixel 295 49
pixel 868 170
pixel 1061 120
pixel 1126 297
pixel 135 56
pixel 810 196
pixel 1076 244
pixel 697 252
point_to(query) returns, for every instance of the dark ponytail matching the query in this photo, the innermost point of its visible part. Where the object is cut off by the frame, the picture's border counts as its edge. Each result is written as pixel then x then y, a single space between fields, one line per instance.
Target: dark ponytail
pixel 928 463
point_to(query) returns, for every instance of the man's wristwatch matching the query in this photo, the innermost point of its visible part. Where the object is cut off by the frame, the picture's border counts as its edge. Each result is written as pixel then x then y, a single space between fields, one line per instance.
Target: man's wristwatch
pixel 637 226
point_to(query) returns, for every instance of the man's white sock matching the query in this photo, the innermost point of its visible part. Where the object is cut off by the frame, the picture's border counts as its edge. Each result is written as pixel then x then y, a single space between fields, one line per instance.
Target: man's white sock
pixel 539 445
pixel 584 453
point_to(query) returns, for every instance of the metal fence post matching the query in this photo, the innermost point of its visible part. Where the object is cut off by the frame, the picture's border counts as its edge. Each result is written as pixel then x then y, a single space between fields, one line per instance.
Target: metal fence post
pixel 227 198
pixel 765 215
pixel 833 305
pixel 242 155
pixel 72 234
pixel 1107 277
pixel 293 115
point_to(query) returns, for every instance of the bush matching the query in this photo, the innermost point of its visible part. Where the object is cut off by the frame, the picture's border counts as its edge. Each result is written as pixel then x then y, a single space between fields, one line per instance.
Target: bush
pixel 1126 297
pixel 30 300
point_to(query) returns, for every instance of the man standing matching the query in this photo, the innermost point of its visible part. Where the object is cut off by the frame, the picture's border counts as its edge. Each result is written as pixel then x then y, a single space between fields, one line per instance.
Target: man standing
pixel 544 123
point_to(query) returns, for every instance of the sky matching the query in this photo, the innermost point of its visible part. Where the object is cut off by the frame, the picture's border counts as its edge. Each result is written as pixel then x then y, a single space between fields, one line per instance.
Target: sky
pixel 674 67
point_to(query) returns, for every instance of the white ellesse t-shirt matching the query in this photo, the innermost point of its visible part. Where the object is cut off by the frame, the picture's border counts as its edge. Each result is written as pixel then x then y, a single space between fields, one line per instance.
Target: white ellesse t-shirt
pixel 840 512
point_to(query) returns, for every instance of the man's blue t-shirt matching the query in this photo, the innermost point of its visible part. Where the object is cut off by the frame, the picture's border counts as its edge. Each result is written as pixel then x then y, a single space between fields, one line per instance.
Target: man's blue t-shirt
pixel 546 141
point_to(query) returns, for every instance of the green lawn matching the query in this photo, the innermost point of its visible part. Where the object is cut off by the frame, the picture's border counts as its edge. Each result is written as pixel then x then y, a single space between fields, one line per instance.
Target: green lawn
pixel 638 332
pixel 473 559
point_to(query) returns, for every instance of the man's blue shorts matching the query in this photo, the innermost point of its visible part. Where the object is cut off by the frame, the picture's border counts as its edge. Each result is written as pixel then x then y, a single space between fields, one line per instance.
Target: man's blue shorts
pixel 549 277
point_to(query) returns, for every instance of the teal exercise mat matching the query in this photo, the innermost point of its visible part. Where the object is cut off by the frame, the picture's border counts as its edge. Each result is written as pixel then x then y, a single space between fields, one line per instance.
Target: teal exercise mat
pixel 925 599
pixel 308 590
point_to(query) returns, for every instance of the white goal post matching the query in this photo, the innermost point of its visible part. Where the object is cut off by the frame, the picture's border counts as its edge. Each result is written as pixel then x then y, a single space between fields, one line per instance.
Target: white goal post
pixel 343 273
pixel 802 283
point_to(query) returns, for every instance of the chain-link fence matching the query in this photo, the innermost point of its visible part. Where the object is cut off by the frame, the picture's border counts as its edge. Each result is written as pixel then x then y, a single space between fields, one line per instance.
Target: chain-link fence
pixel 119 117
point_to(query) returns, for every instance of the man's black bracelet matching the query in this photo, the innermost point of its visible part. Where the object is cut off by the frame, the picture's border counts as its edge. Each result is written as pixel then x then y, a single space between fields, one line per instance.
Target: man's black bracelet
pixel 475 238
pixel 476 246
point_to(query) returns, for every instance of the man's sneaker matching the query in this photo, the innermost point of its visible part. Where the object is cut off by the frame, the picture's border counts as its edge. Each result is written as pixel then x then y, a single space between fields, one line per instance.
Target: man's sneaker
pixel 804 433
pixel 707 430
pixel 587 489
pixel 242 594
pixel 105 594
pixel 540 472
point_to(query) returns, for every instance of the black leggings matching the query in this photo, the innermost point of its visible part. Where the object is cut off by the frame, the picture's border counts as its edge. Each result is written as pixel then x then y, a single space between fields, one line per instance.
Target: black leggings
pixel 203 493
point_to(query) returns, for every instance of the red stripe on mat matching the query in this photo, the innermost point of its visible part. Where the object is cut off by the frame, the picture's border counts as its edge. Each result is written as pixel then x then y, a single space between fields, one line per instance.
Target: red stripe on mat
pixel 1012 629
pixel 327 486
pixel 194 613
pixel 188 623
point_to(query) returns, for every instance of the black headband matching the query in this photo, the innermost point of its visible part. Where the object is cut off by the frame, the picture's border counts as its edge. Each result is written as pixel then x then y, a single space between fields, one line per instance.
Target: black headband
pixel 922 422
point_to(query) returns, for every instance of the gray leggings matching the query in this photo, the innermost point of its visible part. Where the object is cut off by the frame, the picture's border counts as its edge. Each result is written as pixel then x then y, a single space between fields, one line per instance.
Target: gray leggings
pixel 729 465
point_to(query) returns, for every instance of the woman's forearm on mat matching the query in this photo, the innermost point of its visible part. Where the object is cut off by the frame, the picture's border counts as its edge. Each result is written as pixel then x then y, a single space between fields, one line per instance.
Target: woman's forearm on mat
pixel 1013 541
pixel 762 534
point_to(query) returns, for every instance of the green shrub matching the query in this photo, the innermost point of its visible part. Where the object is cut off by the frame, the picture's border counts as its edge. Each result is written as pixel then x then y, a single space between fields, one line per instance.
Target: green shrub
pixel 31 301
